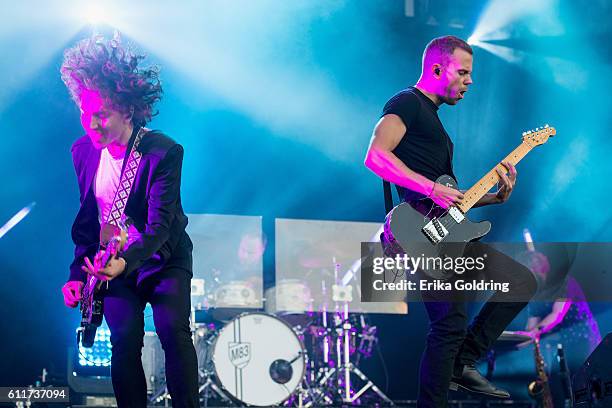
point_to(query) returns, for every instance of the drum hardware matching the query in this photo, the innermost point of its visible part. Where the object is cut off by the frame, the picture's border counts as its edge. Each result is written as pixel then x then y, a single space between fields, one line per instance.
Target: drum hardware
pixel 161 395
pixel 345 330
pixel 153 365
pixel 197 287
pixel 204 336
pixel 311 393
pixel 347 368
pixel 368 339
pixel 328 383
pixel 281 370
pixel 336 378
pixel 208 388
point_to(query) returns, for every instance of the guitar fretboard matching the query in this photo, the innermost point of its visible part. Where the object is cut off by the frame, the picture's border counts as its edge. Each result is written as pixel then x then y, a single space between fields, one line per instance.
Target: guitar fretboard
pixel 482 187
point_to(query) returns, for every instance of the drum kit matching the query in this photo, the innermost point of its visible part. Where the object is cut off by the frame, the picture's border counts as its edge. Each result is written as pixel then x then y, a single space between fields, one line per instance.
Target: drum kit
pixel 286 354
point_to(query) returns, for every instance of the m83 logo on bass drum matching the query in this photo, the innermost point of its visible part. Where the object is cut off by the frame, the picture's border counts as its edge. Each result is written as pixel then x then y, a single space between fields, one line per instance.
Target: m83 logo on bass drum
pixel 239 354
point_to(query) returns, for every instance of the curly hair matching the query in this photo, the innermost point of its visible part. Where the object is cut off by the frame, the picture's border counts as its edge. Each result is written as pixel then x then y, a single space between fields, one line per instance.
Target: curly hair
pixel 111 69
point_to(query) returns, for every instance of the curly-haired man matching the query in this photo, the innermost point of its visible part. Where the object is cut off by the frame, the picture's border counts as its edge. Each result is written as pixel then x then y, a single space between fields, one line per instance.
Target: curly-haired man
pixel 116 99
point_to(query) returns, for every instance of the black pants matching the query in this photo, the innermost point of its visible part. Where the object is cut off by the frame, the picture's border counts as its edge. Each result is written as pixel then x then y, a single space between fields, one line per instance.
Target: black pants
pixel 168 292
pixel 451 344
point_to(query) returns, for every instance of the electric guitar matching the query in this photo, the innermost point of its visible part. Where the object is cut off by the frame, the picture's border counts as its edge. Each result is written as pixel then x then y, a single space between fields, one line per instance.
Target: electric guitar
pixel 445 234
pixel 112 240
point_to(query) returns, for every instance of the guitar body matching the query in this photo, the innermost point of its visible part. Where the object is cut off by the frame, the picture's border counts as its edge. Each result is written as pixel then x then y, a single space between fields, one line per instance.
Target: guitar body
pixel 406 231
pixel 92 310
pixel 446 232
pixel 92 303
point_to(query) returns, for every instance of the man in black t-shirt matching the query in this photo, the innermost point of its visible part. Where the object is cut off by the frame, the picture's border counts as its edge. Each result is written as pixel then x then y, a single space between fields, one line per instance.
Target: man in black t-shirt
pixel 411 149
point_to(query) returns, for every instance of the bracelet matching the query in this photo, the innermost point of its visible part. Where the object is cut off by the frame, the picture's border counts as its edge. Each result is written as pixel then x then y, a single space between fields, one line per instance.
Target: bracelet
pixel 433 187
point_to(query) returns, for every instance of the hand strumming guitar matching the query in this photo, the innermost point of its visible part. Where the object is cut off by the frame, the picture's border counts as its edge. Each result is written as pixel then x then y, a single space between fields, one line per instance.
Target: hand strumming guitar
pixel 445 196
pixel 72 292
pixel 114 268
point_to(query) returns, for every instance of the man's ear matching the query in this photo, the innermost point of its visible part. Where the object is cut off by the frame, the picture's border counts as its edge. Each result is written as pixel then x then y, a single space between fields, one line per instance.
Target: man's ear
pixel 130 114
pixel 436 69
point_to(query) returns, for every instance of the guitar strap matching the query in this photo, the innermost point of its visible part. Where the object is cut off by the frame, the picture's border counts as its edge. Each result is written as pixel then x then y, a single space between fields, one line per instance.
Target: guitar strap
pixel 126 180
pixel 388 196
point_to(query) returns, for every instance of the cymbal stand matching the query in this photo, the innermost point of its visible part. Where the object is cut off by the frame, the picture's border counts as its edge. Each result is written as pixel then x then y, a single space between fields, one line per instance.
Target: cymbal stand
pixel 334 380
pixel 314 389
pixel 343 294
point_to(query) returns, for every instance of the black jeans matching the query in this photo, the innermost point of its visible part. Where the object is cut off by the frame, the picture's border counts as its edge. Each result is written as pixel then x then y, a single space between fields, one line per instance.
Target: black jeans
pixel 451 344
pixel 168 292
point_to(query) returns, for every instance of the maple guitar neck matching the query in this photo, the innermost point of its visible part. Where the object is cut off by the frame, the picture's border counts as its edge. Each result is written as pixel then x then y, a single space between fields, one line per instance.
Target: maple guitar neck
pixel 482 187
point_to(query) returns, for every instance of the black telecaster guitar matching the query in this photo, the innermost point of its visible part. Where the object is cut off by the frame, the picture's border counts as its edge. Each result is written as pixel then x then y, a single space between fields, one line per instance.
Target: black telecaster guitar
pixel 406 231
pixel 92 302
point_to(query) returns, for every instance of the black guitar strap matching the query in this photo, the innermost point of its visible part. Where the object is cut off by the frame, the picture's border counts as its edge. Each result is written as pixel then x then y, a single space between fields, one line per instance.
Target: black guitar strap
pixel 388 196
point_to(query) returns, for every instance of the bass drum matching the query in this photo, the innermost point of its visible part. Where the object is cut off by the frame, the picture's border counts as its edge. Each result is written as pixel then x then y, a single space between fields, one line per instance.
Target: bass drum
pixel 258 359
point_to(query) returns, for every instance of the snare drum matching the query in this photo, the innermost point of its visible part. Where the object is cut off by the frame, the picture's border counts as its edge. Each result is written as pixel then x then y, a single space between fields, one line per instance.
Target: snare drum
pixel 258 359
pixel 232 299
pixel 291 296
pixel 236 294
pixel 291 300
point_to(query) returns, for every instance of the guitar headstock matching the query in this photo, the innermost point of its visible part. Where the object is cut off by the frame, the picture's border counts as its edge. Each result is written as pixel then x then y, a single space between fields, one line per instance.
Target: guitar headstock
pixel 538 136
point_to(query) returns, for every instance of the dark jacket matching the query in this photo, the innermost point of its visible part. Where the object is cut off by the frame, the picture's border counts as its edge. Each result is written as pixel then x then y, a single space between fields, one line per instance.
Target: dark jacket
pixel 154 205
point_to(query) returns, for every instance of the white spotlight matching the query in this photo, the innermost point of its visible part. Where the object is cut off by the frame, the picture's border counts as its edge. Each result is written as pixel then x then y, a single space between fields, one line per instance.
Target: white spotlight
pixel 472 40
pixel 95 13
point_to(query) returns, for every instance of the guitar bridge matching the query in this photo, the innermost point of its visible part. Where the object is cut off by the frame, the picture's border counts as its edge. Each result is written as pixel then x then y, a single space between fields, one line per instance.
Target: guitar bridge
pixel 435 231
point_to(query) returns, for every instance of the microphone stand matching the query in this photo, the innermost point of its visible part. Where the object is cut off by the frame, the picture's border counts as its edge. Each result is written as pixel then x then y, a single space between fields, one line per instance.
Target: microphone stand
pixel 566 380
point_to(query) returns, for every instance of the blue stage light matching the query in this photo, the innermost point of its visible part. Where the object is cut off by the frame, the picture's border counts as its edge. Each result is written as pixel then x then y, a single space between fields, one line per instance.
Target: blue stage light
pixel 99 355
